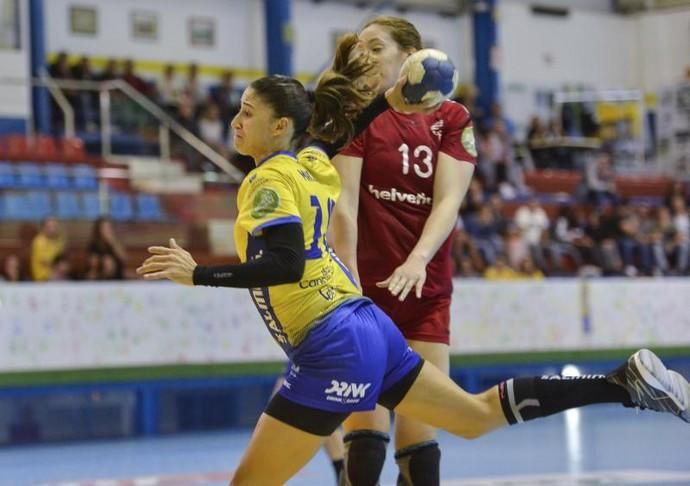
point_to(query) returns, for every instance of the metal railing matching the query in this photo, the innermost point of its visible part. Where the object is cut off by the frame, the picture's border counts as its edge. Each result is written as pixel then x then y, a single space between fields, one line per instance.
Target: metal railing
pixel 105 90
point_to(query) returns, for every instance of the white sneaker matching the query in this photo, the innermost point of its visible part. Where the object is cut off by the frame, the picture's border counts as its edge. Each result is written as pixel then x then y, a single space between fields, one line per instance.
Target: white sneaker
pixel 653 386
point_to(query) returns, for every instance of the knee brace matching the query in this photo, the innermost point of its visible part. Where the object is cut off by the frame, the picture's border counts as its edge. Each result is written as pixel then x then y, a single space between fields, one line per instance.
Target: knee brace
pixel 365 452
pixel 419 464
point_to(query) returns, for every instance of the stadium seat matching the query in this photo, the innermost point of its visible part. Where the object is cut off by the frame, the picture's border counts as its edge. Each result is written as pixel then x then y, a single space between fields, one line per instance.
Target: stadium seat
pixel 85 177
pixel 56 176
pixel 30 176
pixel 13 207
pixel 8 179
pixel 73 150
pixel 18 147
pixel 149 208
pixel 91 205
pixel 45 148
pixel 38 204
pixel 121 206
pixel 67 206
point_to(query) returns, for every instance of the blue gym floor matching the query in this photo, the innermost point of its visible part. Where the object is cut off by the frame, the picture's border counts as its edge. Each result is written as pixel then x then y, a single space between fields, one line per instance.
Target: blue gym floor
pixel 602 445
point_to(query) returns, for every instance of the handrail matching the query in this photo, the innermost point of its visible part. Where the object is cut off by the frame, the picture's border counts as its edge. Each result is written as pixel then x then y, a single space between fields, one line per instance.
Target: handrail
pixel 61 100
pixel 104 88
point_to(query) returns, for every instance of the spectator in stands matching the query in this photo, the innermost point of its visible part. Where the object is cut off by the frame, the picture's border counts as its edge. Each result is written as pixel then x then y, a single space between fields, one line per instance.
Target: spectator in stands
pixel 61 269
pixel 110 71
pixel 568 238
pixel 86 101
pixel 678 188
pixel 528 270
pixel 484 230
pixel 193 88
pixel 226 97
pixel 131 78
pixel 681 224
pixel 602 230
pixel 169 89
pixel 466 256
pixel 474 199
pixel 11 269
pixel 600 179
pixel 516 248
pixel 212 129
pixel 533 222
pixel 186 118
pixel 497 116
pixel 59 69
pixel 496 204
pixel 669 246
pixel 536 137
pixel 107 255
pixel 45 247
pixel 501 270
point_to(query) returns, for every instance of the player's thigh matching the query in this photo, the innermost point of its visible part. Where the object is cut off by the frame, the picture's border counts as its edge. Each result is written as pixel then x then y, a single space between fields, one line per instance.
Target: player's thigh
pixel 275 453
pixel 409 431
pixel 377 419
pixel 334 445
pixel 437 401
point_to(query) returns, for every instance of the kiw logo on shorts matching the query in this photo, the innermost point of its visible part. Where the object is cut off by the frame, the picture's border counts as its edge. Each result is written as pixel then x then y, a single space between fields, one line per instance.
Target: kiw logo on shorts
pixel 344 392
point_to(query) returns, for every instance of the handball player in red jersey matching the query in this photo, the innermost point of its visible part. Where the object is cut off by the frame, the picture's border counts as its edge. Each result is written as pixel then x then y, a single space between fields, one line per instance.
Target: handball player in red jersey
pixel 404 179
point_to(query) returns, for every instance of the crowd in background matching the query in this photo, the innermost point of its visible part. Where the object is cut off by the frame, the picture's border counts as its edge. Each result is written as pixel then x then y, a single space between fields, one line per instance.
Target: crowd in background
pixel 593 232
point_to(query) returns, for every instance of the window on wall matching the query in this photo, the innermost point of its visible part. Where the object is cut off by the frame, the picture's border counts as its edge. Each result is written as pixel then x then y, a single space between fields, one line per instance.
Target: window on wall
pixel 9 24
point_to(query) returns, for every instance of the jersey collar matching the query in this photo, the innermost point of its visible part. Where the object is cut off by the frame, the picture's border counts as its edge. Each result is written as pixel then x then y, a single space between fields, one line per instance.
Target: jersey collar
pixel 275 154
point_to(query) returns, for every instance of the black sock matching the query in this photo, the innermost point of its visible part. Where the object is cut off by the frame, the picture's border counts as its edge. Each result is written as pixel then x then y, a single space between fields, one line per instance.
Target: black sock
pixel 338 467
pixel 524 399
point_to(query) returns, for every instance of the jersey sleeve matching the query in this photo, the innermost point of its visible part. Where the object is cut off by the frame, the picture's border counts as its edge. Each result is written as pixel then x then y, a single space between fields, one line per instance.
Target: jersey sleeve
pixel 266 200
pixel 458 140
pixel 356 147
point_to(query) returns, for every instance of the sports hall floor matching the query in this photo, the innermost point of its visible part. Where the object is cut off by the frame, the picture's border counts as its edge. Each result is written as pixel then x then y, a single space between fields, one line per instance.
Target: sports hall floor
pixel 602 445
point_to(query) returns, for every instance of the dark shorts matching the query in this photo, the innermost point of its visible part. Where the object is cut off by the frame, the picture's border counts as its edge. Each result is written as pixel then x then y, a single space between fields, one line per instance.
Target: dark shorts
pixel 426 319
pixel 348 362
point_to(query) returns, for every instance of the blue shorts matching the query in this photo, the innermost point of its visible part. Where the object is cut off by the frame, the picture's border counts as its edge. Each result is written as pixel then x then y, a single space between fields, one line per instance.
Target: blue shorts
pixel 347 360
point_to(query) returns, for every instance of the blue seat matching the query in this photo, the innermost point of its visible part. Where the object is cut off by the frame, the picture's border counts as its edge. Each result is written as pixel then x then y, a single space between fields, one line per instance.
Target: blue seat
pixel 57 176
pixel 38 204
pixel 149 208
pixel 121 206
pixel 91 205
pixel 8 180
pixel 85 177
pixel 30 176
pixel 14 208
pixel 67 206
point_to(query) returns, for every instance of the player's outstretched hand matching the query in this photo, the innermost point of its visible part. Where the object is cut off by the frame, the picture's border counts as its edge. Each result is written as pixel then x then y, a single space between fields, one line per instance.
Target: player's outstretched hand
pixel 409 275
pixel 172 263
pixel 397 101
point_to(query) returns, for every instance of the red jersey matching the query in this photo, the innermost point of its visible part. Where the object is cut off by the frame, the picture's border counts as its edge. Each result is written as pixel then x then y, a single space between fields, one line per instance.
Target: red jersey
pixel 399 155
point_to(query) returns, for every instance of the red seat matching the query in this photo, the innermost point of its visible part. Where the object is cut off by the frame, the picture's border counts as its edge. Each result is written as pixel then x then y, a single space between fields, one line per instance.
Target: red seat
pixel 45 148
pixel 73 150
pixel 18 147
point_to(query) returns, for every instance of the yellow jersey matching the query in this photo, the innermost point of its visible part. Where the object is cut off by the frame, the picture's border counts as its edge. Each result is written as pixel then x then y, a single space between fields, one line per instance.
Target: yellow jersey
pixel 288 188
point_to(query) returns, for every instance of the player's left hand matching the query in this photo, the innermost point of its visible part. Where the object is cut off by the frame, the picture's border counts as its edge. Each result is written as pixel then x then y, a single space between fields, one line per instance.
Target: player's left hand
pixel 409 275
pixel 172 263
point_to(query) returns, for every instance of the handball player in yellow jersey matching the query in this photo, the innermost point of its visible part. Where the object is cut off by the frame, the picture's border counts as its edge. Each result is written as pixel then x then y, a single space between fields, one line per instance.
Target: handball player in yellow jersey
pixel 345 354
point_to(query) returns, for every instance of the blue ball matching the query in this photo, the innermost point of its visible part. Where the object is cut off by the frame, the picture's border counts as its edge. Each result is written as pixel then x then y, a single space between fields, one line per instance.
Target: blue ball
pixel 431 77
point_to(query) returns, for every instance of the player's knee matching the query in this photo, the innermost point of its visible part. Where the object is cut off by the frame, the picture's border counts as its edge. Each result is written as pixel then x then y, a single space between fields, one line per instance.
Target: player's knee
pixel 419 464
pixel 365 453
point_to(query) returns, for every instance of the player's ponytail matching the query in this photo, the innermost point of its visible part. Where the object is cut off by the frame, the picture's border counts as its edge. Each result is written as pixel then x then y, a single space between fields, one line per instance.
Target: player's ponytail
pixel 341 93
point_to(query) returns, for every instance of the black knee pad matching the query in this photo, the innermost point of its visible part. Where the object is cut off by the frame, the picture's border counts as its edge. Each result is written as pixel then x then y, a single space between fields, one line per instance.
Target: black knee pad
pixel 365 453
pixel 419 464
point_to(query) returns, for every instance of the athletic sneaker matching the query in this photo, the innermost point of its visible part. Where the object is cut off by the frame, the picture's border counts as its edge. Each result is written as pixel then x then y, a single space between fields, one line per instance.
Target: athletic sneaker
pixel 652 386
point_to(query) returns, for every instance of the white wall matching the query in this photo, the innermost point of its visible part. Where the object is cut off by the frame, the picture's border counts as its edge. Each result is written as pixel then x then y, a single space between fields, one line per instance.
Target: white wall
pixel 583 48
pixel 239 31
pixel 316 23
pixel 240 34
pixel 15 99
pixel 663 43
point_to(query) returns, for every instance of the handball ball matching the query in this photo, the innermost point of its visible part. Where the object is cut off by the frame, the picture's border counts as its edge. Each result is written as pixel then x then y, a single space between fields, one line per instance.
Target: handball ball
pixel 431 77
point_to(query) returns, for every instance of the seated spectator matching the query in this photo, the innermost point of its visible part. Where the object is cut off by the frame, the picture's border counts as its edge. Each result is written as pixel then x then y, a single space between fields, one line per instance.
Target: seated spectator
pixel 193 88
pixel 12 269
pixel 61 269
pixel 485 231
pixel 45 248
pixel 681 225
pixel 603 232
pixel 501 270
pixel 528 270
pixel 600 180
pixel 465 253
pixel 107 255
pixel 516 248
pixel 59 69
pixel 226 97
pixel 110 71
pixel 131 78
pixel 474 199
pixel 568 238
pixel 533 222
pixel 211 128
pixel 678 188
pixel 670 249
pixel 169 89
pixel 86 101
pixel 180 148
